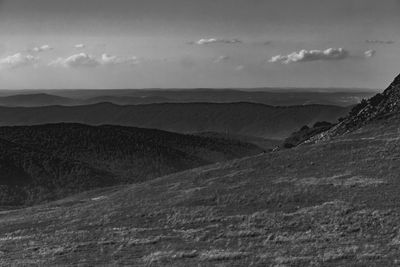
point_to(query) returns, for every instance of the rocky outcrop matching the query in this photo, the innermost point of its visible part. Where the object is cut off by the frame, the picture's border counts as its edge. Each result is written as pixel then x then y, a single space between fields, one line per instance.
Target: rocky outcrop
pixel 379 106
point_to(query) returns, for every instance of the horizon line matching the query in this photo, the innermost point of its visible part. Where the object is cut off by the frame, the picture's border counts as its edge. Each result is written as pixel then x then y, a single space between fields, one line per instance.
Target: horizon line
pixel 199 88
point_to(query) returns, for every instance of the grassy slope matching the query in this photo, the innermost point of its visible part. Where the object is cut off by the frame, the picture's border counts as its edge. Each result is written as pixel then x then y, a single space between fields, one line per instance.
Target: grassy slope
pixel 328 204
pixel 266 144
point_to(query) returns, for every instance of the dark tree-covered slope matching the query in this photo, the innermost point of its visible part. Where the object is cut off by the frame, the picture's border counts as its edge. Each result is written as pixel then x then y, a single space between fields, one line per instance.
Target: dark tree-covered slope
pixel 30 176
pixel 305 133
pixel 50 161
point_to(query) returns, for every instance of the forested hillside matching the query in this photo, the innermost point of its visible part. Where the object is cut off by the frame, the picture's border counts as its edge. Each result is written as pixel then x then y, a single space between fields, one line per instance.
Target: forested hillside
pixel 51 161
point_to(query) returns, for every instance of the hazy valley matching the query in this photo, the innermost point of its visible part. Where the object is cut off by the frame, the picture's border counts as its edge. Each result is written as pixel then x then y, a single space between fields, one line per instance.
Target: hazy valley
pixel 232 118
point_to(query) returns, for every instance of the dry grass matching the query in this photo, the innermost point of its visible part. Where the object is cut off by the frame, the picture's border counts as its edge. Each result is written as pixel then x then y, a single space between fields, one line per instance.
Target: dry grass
pixel 345 180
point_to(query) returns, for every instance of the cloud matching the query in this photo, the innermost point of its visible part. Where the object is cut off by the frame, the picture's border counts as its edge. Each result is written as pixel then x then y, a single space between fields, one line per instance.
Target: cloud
pixel 18 60
pixel 42 48
pixel 114 60
pixel 379 42
pixel 217 41
pixel 77 61
pixel 80 46
pixel 369 53
pixel 311 55
pixel 239 68
pixel 221 59
pixel 85 60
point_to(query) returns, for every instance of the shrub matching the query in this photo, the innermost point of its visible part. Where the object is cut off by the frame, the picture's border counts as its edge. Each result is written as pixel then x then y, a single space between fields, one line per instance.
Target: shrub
pixel 356 109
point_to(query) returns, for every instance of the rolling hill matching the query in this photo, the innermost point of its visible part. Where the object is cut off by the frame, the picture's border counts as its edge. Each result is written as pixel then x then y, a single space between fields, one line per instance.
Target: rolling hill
pixel 34 100
pixel 333 203
pixel 45 162
pixel 234 118
pixel 268 96
pixel 126 100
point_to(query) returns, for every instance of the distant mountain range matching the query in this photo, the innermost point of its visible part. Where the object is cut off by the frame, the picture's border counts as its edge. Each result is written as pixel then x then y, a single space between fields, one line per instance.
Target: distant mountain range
pixel 274 97
pixel 34 100
pixel 127 100
pixel 246 119
pixel 40 163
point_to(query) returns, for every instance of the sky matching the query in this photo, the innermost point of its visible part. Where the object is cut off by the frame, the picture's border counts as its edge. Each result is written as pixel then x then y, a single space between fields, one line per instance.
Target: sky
pixel 104 44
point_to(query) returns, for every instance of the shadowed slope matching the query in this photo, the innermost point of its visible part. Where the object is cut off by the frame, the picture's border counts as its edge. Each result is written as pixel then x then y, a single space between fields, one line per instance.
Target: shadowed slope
pixel 30 176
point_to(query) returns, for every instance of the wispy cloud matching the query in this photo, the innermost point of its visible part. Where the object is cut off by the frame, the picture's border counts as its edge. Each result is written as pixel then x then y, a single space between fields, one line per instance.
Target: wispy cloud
pixel 221 59
pixel 76 61
pixel 80 46
pixel 42 48
pixel 369 53
pixel 207 41
pixel 87 61
pixel 239 68
pixel 379 42
pixel 114 60
pixel 311 55
pixel 17 61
